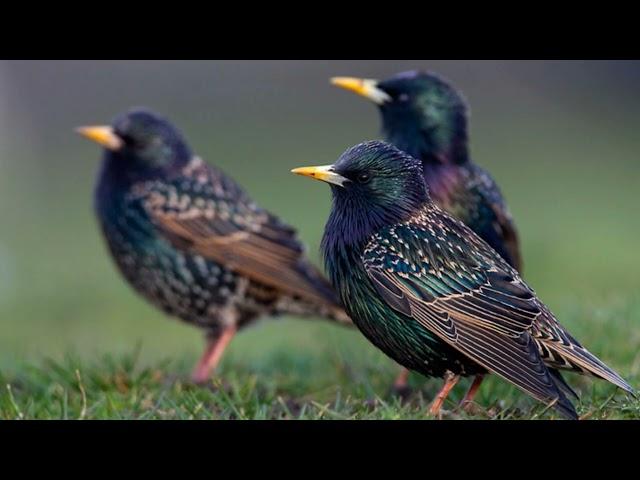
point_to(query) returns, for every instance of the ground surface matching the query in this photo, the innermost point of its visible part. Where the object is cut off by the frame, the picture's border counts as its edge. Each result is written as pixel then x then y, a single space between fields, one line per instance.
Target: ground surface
pixel 340 377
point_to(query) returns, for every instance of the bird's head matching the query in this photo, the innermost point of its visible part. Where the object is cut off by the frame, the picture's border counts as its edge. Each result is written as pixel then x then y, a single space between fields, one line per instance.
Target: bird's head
pixel 140 140
pixel 421 114
pixel 374 184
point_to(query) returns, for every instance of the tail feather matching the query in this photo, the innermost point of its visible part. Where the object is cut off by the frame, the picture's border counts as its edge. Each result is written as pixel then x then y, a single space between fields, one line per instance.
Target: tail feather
pixel 319 286
pixel 318 282
pixel 565 407
pixel 562 384
pixel 580 357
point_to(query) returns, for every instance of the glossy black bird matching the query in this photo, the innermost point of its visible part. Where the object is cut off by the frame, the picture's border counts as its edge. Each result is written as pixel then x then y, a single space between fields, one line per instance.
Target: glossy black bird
pixel 429 292
pixel 192 242
pixel 426 117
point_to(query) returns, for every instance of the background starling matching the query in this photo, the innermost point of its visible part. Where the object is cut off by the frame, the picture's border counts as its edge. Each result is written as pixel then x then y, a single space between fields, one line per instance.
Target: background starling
pixel 191 241
pixel 427 118
pixel 429 292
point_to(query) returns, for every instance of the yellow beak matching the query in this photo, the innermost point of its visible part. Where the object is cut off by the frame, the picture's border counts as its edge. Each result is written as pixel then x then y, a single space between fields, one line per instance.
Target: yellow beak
pixel 324 173
pixel 103 135
pixel 366 87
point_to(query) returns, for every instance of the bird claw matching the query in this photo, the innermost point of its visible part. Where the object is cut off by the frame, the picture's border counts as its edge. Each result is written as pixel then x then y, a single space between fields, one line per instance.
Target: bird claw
pixel 472 408
pixel 443 414
pixel 197 378
pixel 403 392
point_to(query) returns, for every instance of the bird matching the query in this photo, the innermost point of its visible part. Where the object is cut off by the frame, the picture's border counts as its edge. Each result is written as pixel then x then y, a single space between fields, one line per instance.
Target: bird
pixel 191 241
pixel 425 116
pixel 429 292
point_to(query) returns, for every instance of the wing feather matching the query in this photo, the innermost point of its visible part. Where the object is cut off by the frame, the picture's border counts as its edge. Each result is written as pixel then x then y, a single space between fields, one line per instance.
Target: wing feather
pixel 207 214
pixel 484 311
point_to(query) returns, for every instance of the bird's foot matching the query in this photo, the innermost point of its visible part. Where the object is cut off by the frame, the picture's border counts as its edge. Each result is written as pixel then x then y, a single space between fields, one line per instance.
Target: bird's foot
pixel 213 384
pixel 401 386
pixel 449 382
pixel 201 376
pixel 472 408
pixel 371 404
pixel 403 392
pixel 181 381
pixel 443 414
pixel 216 346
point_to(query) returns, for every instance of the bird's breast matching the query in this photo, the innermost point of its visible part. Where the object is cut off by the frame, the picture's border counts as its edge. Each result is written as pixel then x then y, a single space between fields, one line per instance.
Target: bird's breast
pixel 400 337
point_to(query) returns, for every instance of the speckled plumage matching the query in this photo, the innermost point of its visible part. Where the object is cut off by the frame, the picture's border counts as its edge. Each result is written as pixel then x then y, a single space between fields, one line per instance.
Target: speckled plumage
pixel 192 242
pixel 430 293
pixel 426 117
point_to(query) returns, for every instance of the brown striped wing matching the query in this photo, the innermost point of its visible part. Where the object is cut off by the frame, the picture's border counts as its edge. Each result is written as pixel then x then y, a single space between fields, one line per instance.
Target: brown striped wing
pixel 246 240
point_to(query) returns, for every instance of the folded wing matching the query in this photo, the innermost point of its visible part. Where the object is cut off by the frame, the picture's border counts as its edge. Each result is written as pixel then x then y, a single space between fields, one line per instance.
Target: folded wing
pixel 429 270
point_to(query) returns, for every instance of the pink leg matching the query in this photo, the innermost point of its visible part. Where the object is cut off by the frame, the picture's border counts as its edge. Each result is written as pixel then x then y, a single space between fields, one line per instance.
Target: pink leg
pixel 401 380
pixel 450 381
pixel 467 401
pixel 212 355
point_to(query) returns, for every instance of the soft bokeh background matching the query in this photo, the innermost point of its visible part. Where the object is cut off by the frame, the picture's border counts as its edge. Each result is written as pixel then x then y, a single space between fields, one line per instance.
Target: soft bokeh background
pixel 561 138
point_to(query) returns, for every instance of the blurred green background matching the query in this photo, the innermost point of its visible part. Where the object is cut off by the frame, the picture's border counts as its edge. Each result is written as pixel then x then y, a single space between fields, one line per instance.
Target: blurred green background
pixel 561 138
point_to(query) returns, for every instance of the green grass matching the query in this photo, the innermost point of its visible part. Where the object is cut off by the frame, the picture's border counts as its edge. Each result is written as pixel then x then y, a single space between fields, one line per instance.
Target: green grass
pixel 329 373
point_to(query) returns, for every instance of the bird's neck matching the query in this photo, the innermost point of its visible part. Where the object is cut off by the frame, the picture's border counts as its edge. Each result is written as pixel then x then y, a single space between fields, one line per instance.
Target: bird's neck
pixel 446 183
pixel 351 224
pixel 342 263
pixel 118 174
pixel 344 232
pixel 442 144
pixel 125 168
pixel 344 238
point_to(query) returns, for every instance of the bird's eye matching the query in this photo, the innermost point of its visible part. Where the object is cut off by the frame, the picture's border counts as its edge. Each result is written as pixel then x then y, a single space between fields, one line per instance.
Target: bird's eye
pixel 128 140
pixel 403 97
pixel 364 177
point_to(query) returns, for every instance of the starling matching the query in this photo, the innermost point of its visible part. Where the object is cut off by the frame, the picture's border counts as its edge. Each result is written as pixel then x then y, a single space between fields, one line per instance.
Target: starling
pixel 427 118
pixel 429 292
pixel 192 242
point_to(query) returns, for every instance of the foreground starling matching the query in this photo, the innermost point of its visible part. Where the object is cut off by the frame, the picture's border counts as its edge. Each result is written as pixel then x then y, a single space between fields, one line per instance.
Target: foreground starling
pixel 427 118
pixel 191 241
pixel 429 292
